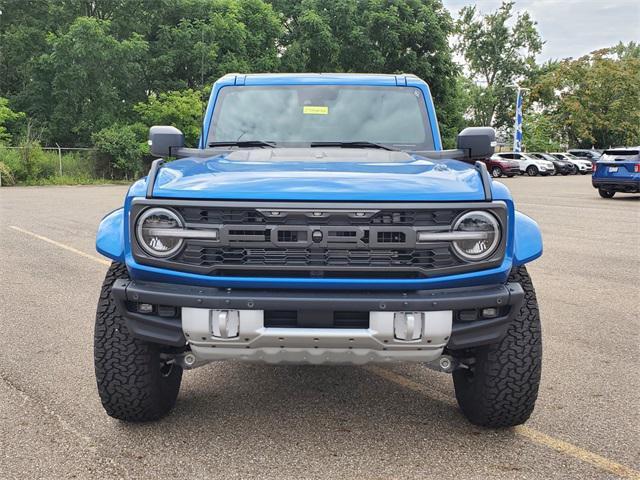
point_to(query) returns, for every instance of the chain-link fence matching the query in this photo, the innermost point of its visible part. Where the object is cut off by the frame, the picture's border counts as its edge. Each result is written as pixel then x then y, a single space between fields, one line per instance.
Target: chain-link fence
pixel 36 164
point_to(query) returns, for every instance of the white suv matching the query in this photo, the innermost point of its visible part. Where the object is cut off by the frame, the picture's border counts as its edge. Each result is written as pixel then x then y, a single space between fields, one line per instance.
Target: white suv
pixel 530 165
pixel 581 165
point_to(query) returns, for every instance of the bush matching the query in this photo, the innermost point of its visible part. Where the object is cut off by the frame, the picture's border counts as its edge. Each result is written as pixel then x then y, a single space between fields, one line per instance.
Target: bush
pixel 32 165
pixel 6 176
pixel 29 162
pixel 121 145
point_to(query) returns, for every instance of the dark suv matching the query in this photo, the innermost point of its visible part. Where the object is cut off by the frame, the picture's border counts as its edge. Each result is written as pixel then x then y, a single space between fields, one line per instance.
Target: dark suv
pixel 589 155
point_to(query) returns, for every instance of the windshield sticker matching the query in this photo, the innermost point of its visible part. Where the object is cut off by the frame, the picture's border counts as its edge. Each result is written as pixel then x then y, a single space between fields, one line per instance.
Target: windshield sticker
pixel 315 110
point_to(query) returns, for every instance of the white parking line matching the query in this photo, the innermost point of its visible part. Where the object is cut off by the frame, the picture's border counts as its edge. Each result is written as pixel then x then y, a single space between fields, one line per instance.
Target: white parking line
pixel 529 433
pixel 61 245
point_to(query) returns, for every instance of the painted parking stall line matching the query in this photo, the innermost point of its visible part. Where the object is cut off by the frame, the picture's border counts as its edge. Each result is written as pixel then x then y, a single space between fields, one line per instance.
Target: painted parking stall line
pixel 61 245
pixel 531 434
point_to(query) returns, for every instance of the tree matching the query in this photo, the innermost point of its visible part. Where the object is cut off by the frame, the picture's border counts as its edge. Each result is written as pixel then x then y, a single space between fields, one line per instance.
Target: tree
pixel 593 100
pixel 198 41
pixel 498 51
pixel 7 118
pixel 121 144
pixel 539 134
pixel 376 36
pixel 183 110
pixel 88 81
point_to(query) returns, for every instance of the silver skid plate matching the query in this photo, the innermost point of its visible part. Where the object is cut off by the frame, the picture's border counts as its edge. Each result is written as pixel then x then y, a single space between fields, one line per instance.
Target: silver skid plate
pixel 256 343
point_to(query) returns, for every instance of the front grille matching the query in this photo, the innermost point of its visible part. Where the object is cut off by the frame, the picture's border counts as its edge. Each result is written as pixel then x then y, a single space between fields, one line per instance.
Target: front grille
pixel 243 216
pixel 312 261
pixel 305 240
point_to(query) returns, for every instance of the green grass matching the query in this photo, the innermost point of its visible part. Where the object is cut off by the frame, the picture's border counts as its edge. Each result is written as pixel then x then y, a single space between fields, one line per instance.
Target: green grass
pixel 71 180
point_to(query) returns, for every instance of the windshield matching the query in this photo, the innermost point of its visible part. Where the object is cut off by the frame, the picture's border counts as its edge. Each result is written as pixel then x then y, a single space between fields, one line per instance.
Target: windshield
pixel 298 115
pixel 612 155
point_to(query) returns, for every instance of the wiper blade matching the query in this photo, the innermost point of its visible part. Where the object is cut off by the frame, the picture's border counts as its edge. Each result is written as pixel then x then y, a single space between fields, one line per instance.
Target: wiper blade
pixel 352 145
pixel 244 143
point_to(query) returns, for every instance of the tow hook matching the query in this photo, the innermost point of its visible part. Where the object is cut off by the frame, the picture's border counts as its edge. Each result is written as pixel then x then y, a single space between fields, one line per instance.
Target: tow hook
pixel 188 361
pixel 446 364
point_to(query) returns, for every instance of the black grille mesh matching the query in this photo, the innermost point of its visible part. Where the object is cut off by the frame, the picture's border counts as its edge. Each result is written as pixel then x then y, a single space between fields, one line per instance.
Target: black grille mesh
pixel 204 256
pixel 237 216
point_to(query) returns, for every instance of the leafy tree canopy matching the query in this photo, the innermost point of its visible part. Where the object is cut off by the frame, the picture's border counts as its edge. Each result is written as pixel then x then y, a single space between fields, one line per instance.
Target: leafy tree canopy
pixel 593 100
pixel 183 110
pixel 377 36
pixel 499 50
pixel 7 118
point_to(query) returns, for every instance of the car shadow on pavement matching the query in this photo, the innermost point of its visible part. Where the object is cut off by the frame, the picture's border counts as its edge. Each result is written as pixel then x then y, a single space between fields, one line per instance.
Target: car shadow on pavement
pixel 309 403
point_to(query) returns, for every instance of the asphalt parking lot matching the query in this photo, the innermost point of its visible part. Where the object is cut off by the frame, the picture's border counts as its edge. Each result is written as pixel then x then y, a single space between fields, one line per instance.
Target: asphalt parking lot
pixel 252 421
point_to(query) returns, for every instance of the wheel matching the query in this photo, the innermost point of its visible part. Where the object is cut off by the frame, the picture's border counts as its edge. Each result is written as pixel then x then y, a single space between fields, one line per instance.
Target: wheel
pixel 606 193
pixel 134 383
pixel 501 386
pixel 496 172
pixel 574 170
pixel 532 170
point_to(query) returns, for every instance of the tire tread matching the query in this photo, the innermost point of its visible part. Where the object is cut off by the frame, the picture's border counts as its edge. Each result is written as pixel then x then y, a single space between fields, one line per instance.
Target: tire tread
pixel 127 369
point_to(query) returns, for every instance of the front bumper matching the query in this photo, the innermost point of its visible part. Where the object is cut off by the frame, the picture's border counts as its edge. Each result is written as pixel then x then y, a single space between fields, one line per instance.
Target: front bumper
pixel 375 342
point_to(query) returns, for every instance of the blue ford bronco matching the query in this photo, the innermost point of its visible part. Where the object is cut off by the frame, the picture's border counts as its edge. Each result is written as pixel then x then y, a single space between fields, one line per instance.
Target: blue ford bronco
pixel 319 221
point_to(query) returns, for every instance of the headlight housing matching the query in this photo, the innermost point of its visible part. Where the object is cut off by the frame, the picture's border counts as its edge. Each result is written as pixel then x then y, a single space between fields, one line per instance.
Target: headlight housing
pixel 483 231
pixel 158 232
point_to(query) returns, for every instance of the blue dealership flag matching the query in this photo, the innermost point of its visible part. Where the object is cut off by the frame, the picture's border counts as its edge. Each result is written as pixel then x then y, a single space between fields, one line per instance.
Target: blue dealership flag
pixel 517 127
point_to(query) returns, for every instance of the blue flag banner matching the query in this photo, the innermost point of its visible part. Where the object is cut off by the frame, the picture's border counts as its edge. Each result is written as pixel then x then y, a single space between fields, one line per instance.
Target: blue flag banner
pixel 517 127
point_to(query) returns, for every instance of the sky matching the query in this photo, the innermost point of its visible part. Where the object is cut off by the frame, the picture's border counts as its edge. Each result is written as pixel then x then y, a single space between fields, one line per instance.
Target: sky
pixel 572 28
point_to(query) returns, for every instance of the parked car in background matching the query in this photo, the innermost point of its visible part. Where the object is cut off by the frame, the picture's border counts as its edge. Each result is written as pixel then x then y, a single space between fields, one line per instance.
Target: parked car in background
pixel 590 155
pixel 580 166
pixel 532 166
pixel 563 167
pixel 499 167
pixel 617 170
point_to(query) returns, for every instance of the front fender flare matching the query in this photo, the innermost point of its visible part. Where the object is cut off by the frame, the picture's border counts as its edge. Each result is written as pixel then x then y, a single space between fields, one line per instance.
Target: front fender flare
pixel 110 237
pixel 528 240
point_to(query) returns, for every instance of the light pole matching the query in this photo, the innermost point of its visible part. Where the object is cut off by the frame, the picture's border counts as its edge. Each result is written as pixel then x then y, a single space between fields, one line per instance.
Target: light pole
pixel 517 124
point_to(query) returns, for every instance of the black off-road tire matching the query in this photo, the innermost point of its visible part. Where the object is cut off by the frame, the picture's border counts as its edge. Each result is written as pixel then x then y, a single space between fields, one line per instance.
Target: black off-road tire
pixel 133 382
pixel 501 387
pixel 606 193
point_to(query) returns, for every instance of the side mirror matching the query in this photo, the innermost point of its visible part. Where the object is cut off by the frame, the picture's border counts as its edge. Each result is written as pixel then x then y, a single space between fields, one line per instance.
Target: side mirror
pixel 163 139
pixel 478 142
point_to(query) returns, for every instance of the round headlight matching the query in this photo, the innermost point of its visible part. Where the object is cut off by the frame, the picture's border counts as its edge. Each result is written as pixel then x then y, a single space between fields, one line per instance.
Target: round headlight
pixel 156 231
pixel 484 243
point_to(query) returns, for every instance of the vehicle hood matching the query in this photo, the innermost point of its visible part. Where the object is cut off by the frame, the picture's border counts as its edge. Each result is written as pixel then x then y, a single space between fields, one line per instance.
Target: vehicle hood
pixel 329 175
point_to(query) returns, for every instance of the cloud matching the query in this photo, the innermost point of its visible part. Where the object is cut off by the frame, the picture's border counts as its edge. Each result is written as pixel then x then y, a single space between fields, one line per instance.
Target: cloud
pixel 572 28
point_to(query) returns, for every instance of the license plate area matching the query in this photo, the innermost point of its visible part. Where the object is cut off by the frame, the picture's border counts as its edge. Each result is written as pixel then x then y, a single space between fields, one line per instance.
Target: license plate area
pixel 315 319
pixel 613 169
